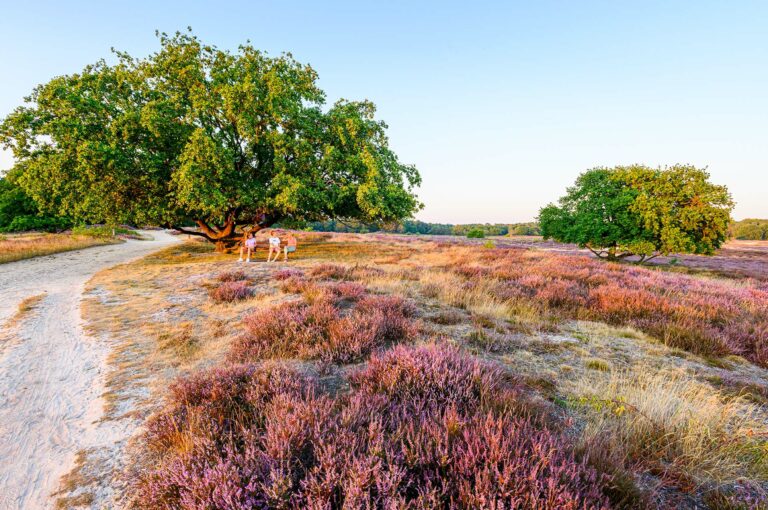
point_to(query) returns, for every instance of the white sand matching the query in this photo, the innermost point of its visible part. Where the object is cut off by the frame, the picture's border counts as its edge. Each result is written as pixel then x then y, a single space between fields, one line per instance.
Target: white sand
pixel 51 373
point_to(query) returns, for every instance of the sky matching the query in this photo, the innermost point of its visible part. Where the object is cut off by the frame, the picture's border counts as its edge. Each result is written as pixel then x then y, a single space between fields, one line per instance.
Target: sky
pixel 500 105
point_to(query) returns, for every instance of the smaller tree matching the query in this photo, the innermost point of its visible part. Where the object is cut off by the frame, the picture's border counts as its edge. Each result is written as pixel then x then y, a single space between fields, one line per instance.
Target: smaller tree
pixel 636 210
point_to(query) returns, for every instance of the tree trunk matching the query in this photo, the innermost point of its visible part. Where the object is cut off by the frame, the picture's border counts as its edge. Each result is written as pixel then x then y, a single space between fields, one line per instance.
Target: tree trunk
pixel 225 237
pixel 223 246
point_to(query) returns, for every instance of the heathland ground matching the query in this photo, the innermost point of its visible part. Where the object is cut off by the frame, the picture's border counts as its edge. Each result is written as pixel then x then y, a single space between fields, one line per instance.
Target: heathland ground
pixel 643 387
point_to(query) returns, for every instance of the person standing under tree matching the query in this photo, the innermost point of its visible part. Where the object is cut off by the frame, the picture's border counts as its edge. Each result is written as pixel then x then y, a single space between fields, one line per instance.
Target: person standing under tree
pixel 274 246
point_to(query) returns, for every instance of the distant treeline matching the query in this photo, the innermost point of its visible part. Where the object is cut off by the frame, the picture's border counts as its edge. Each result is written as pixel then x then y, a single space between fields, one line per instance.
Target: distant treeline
pixel 424 228
pixel 750 229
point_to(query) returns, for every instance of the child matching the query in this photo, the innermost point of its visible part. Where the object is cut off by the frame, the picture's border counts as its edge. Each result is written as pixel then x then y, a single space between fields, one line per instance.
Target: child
pixel 274 246
pixel 290 246
pixel 250 245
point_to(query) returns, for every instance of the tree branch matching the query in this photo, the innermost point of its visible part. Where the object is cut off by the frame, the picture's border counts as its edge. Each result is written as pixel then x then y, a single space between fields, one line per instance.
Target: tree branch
pixel 190 232
pixel 597 254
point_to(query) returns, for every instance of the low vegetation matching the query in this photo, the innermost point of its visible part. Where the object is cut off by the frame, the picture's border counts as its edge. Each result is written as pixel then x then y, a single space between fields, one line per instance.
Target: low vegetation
pixel 322 329
pixel 675 426
pixel 421 428
pixel 703 316
pixel 379 373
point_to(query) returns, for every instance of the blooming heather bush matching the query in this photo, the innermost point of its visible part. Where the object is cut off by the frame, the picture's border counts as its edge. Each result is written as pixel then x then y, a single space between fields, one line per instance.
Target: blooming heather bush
pixel 431 435
pixel 229 291
pixel 232 276
pixel 285 274
pixel 711 317
pixel 746 496
pixel 395 312
pixel 294 329
pixel 435 376
pixel 339 272
pixel 232 438
pixel 318 330
pixel 331 272
pixel 294 284
pixel 350 291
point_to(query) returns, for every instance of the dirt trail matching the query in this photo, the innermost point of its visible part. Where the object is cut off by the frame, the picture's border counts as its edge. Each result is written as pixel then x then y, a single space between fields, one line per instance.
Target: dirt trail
pixel 51 373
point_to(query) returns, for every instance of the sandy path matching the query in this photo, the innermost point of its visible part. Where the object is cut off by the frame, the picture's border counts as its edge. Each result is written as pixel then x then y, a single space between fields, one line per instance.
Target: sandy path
pixel 51 376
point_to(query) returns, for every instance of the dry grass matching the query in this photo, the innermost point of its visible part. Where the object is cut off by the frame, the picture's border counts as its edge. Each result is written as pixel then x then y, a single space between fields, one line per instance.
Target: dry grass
pixel 26 307
pixel 25 246
pixel 676 427
pixel 71 493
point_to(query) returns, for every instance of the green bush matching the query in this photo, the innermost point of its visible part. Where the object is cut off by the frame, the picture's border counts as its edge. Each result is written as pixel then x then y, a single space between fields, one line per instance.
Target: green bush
pixel 18 212
pixel 41 223
pixel 101 231
pixel 476 233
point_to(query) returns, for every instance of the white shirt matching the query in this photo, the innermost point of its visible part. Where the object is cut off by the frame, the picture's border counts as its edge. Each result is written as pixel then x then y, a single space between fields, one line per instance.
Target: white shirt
pixel 274 241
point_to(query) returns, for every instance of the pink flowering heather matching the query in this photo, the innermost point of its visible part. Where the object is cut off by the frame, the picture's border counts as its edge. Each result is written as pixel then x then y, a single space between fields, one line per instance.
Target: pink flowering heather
pixel 331 272
pixel 705 316
pixel 285 274
pixel 229 291
pixel 319 330
pixel 232 276
pixel 339 272
pixel 350 291
pixel 396 314
pixel 295 284
pixel 258 437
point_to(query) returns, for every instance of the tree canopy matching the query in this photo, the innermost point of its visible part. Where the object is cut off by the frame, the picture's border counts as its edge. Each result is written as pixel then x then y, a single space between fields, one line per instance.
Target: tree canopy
pixel 636 210
pixel 194 134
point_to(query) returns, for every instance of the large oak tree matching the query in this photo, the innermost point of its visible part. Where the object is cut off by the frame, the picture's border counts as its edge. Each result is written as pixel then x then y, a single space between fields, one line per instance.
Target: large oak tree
pixel 197 135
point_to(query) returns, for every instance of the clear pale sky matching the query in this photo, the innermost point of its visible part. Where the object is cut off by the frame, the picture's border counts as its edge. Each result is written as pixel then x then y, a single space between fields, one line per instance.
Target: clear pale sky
pixel 499 104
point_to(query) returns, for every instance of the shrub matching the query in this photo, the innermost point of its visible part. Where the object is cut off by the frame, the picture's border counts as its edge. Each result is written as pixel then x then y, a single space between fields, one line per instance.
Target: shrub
pixel 395 313
pixel 429 433
pixel 286 274
pixel 447 318
pixel 350 291
pixel 331 272
pixel 232 276
pixel 295 285
pixel 598 364
pixel 230 291
pixel 745 496
pixel 476 233
pixel 318 330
